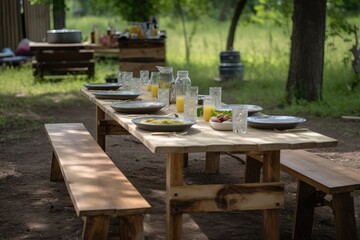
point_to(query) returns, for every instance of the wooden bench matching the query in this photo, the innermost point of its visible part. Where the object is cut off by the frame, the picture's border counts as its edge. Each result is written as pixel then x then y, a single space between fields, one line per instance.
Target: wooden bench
pixel 316 177
pixel 98 189
pixel 63 62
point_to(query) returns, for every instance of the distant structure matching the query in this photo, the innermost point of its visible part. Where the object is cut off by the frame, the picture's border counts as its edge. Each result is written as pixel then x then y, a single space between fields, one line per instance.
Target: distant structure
pixel 19 19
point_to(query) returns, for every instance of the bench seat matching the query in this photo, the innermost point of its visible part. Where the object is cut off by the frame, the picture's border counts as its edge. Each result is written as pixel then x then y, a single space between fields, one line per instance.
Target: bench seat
pixel 98 189
pixel 317 177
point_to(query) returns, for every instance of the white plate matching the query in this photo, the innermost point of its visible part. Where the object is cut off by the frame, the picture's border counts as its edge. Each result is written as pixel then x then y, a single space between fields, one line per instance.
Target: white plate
pixel 274 122
pixel 251 108
pixel 224 126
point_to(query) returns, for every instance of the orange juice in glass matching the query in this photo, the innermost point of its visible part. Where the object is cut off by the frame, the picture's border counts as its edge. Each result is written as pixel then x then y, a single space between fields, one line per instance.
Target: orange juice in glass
pixel 154 90
pixel 209 107
pixel 148 86
pixel 180 103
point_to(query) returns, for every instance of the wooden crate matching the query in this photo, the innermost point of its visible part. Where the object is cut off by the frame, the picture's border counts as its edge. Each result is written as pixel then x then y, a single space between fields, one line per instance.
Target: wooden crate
pixel 136 55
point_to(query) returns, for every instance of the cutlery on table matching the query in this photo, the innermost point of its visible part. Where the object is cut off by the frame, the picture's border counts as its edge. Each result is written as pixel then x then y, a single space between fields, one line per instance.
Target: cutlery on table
pixel 168 133
pixel 291 130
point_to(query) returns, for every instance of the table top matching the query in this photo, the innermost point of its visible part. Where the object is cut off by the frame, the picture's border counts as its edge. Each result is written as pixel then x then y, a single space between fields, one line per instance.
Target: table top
pixel 201 137
pixel 54 46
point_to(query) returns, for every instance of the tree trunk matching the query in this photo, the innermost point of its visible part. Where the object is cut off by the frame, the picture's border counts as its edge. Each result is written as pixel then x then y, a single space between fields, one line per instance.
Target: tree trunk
pixel 224 11
pixel 239 8
pixel 59 14
pixel 307 51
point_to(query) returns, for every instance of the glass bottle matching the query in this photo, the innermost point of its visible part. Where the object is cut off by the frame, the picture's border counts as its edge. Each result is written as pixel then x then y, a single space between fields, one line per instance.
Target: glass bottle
pixel 182 82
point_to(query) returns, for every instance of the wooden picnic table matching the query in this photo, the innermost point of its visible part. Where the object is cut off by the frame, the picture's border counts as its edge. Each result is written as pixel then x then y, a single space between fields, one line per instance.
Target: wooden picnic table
pixel 181 198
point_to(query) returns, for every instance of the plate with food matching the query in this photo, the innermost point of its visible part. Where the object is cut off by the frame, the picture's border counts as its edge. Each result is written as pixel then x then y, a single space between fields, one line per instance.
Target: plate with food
pixel 221 122
pixel 274 122
pixel 102 86
pixel 137 107
pixel 163 124
pixel 252 109
pixel 118 95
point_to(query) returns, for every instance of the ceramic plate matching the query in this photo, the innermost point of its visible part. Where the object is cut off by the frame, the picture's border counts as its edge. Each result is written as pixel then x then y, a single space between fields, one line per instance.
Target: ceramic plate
pixel 137 107
pixel 224 126
pixel 251 108
pixel 182 124
pixel 274 122
pixel 102 86
pixel 119 95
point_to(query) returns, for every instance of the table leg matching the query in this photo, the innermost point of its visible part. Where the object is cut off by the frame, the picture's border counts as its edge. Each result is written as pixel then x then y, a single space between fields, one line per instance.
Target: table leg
pixel 100 138
pixel 212 162
pixel 271 173
pixel 174 177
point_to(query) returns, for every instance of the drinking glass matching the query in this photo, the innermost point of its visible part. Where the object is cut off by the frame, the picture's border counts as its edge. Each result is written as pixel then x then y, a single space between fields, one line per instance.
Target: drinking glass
pixel 154 83
pixel 126 78
pixel 209 107
pixel 164 97
pixel 191 100
pixel 239 119
pixel 144 75
pixel 215 92
pixel 135 85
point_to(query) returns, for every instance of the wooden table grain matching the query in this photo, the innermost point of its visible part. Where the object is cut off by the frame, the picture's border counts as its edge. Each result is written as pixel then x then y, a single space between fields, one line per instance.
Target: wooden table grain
pixel 181 198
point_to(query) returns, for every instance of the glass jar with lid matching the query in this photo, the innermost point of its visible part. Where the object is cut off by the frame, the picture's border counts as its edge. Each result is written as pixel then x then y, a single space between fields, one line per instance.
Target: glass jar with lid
pixel 182 82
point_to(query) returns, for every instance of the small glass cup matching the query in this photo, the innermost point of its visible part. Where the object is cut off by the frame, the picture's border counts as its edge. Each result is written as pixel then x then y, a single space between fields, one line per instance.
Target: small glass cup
pixel 135 85
pixel 144 75
pixel 126 78
pixel 191 102
pixel 154 80
pixel 239 119
pixel 215 92
pixel 164 97
pixel 209 107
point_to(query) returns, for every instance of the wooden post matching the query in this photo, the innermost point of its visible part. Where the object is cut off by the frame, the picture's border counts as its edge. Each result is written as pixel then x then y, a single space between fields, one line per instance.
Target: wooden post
pixel 271 173
pixel 252 170
pixel 96 227
pixel 55 173
pixel 131 227
pixel 212 162
pixel 174 177
pixel 343 208
pixel 304 213
pixel 100 138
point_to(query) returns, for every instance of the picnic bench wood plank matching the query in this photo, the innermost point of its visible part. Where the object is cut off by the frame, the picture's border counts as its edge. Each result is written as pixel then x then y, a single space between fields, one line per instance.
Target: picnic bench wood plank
pixel 97 188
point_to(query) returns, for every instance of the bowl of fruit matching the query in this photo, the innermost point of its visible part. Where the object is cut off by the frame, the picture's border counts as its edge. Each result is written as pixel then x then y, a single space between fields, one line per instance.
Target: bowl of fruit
pixel 221 122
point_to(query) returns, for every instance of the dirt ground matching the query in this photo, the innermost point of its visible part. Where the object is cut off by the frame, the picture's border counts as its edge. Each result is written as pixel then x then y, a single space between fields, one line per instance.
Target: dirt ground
pixel 32 207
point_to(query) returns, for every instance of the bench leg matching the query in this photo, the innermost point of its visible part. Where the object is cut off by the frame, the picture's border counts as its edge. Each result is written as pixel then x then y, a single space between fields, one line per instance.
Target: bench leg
pixel 131 227
pixel 252 170
pixel 96 227
pixel 212 162
pixel 344 213
pixel 55 172
pixel 304 212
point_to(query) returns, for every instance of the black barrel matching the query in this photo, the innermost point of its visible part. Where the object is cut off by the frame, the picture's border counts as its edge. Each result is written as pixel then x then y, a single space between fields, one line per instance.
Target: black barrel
pixel 230 66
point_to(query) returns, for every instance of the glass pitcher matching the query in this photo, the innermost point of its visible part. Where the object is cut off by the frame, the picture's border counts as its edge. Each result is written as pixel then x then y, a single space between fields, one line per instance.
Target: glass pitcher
pixel 166 80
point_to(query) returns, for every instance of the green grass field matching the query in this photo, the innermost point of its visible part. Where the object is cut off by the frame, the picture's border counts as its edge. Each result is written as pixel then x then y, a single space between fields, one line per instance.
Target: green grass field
pixel 264 52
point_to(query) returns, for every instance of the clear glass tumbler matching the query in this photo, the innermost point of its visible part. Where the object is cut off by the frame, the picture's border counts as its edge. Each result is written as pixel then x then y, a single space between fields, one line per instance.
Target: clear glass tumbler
pixel 126 78
pixel 191 102
pixel 215 92
pixel 164 97
pixel 135 85
pixel 239 119
pixel 144 75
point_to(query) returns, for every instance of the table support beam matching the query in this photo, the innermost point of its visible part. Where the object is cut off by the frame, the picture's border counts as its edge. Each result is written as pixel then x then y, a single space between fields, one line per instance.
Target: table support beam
pixel 271 173
pixel 174 177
